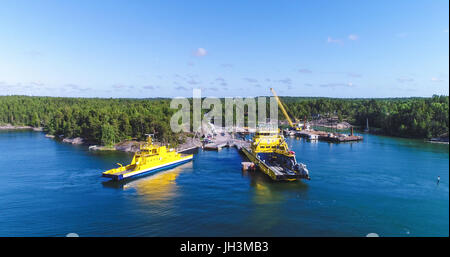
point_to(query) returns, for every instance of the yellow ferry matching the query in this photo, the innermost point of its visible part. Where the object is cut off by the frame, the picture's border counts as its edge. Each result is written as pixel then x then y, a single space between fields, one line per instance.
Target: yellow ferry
pixel 149 159
pixel 270 153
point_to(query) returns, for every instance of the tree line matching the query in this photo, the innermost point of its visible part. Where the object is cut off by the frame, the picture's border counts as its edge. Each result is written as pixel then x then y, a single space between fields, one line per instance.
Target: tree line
pixel 109 121
pixel 99 121
pixel 404 117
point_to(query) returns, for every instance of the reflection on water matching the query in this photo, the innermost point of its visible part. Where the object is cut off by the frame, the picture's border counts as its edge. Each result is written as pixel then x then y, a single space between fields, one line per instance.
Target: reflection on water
pixel 156 187
pixel 383 185
pixel 269 198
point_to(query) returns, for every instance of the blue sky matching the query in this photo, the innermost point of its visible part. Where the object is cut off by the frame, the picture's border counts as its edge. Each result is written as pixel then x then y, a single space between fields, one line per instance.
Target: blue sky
pixel 227 48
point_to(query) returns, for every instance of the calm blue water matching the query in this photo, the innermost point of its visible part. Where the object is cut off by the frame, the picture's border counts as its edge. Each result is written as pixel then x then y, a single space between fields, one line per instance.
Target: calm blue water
pixel 382 185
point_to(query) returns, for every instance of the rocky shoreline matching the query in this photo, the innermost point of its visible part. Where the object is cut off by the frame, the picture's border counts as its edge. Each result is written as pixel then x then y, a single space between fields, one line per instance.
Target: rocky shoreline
pixel 124 146
pixel 330 123
pixel 443 139
pixel 73 141
pixel 18 127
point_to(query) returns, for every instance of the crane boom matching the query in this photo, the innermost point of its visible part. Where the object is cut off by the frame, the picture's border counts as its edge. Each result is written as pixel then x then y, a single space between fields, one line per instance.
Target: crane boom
pixel 282 108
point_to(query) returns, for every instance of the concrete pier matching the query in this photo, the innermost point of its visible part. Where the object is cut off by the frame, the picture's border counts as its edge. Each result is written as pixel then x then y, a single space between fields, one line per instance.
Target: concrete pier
pixel 329 136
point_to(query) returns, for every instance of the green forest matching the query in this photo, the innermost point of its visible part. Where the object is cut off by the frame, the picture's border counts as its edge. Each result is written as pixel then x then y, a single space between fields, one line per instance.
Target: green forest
pixel 402 117
pixel 99 121
pixel 109 121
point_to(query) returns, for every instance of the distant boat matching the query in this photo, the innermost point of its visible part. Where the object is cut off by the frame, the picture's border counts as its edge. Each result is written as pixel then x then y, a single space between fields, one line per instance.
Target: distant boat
pixel 367 126
pixel 313 137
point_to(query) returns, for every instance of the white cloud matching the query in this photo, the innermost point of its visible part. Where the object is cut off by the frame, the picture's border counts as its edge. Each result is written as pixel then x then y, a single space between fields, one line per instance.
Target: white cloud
pixel 251 80
pixel 72 86
pixel 122 86
pixel 333 85
pixel 354 75
pixel 200 52
pixel 33 53
pixel 333 40
pixel 193 82
pixel 304 71
pixel 286 81
pixel 181 88
pixel 212 89
pixel 37 83
pixel 436 79
pixel 353 37
pixel 405 80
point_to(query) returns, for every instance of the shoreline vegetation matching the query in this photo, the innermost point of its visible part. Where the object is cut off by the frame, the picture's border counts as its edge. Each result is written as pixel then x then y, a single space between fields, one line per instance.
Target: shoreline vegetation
pixel 120 124
pixel 124 146
pixel 11 127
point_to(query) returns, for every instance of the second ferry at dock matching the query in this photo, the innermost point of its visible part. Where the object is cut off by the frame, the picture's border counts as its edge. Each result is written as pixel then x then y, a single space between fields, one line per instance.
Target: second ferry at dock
pixel 270 153
pixel 149 159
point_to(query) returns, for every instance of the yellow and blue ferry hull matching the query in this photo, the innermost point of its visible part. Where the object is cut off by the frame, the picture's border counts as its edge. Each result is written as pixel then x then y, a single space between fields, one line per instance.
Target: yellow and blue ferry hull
pixel 148 171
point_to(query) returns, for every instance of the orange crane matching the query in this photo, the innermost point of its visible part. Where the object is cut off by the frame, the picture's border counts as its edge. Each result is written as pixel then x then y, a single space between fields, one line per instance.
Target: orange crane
pixel 284 111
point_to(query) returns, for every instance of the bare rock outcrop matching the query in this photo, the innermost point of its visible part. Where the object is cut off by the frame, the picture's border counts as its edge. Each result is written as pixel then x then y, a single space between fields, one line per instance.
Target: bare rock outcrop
pixel 128 146
pixel 74 141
